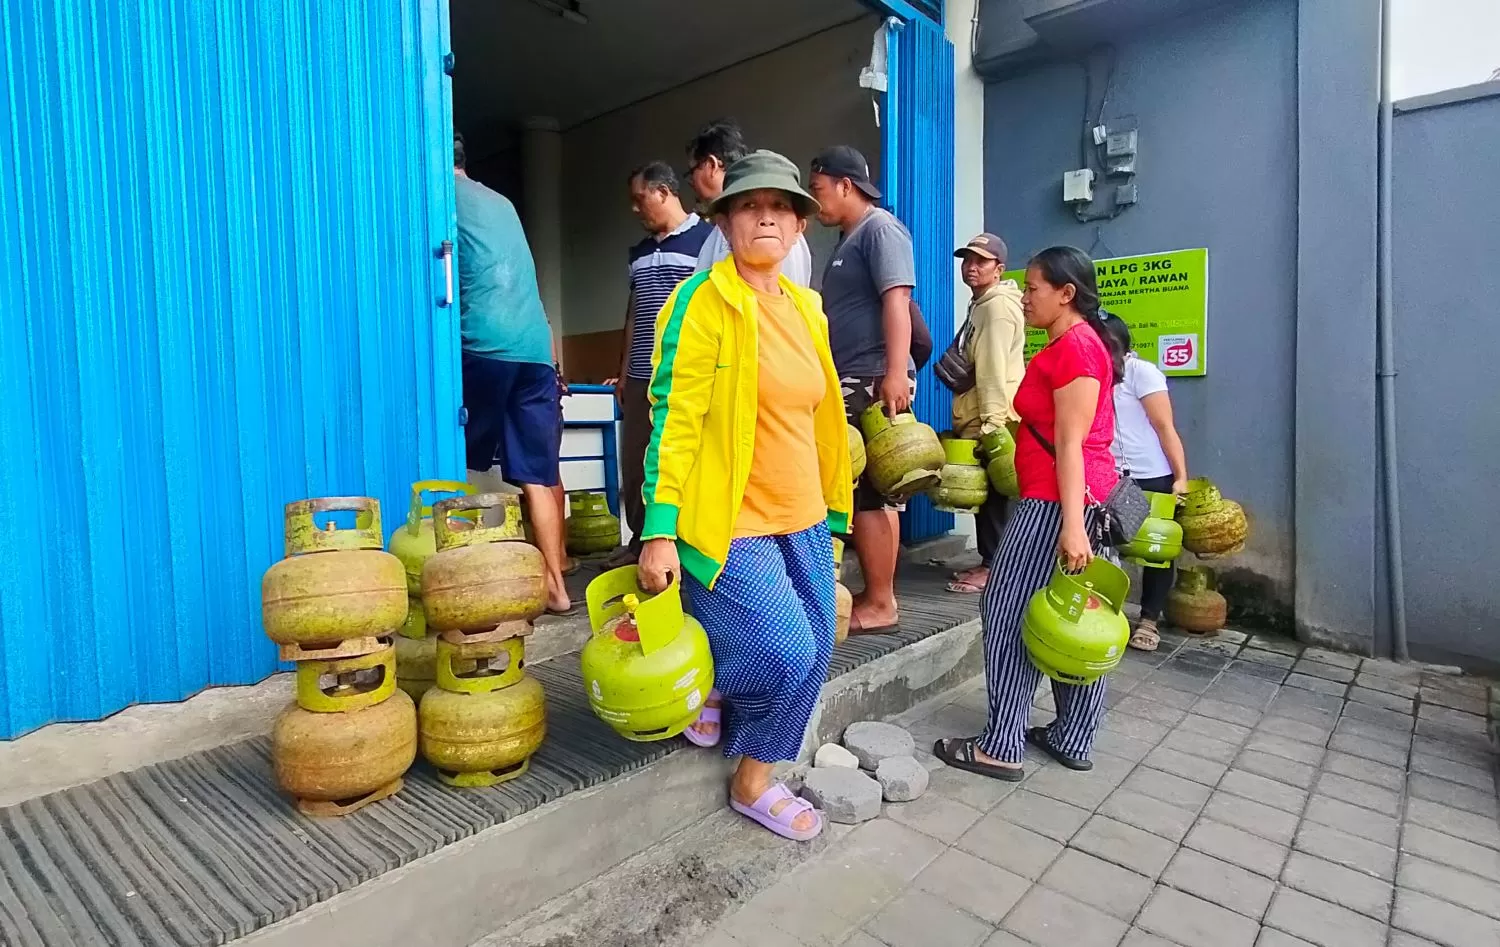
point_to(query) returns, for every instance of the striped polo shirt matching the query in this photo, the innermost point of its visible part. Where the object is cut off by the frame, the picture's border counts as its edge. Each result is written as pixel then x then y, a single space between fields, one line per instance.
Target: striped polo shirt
pixel 657 265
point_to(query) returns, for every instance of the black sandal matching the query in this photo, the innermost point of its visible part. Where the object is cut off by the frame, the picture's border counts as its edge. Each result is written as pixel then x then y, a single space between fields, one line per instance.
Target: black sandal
pixel 958 752
pixel 1037 737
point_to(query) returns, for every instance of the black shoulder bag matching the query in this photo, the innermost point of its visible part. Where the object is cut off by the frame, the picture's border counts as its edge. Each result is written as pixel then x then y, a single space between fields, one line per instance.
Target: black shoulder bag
pixel 921 337
pixel 1123 512
pixel 955 370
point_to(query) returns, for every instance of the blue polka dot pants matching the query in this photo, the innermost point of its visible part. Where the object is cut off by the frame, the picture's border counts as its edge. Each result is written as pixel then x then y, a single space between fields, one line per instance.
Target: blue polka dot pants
pixel 770 621
pixel 1023 564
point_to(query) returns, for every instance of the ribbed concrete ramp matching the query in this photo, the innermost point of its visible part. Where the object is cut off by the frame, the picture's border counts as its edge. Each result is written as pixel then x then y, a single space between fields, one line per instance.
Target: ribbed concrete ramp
pixel 203 849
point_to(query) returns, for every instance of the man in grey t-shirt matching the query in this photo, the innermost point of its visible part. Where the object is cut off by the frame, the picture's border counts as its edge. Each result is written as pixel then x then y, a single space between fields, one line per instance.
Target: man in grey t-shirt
pixel 867 286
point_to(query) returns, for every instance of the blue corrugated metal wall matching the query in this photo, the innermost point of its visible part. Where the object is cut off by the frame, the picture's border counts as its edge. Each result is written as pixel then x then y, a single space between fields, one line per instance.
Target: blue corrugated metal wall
pixel 218 293
pixel 918 185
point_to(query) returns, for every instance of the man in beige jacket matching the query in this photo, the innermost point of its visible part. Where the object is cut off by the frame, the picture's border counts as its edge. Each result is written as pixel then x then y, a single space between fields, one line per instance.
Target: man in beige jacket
pixel 996 339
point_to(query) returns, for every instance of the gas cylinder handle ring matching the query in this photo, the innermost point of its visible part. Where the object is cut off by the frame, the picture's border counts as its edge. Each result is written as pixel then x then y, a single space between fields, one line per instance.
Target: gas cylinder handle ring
pixel 304 535
pixel 444 511
pixel 420 509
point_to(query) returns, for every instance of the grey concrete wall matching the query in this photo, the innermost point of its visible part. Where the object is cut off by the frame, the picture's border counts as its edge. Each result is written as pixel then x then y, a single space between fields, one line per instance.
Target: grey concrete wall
pixel 1447 296
pixel 1258 137
pixel 1338 93
pixel 1215 96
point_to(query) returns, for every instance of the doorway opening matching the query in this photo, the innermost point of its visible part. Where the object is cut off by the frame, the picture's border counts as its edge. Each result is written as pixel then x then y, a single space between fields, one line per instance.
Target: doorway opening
pixel 559 100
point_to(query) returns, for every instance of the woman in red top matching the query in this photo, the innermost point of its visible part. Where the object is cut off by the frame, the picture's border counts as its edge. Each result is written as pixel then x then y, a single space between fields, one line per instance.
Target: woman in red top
pixel 1065 469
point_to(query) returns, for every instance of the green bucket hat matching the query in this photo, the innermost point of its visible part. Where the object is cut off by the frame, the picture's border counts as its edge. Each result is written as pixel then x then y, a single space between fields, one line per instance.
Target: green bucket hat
pixel 762 170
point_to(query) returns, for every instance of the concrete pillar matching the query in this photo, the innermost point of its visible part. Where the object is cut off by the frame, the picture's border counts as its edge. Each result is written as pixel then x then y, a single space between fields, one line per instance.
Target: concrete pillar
pixel 1338 44
pixel 541 183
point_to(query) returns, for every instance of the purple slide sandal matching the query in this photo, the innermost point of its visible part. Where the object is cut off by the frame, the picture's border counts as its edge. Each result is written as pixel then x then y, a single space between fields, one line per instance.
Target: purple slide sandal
pixel 710 714
pixel 780 823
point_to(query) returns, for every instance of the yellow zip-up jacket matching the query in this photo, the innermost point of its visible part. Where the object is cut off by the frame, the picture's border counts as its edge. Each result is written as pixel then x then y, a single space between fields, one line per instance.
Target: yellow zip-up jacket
pixel 704 395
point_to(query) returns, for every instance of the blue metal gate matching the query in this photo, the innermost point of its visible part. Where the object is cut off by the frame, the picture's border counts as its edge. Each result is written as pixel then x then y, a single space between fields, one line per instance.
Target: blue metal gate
pixel 218 292
pixel 918 182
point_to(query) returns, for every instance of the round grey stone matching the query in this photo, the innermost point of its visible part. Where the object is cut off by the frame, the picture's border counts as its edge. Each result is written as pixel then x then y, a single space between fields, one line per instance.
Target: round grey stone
pixel 831 754
pixel 901 778
pixel 844 795
pixel 872 741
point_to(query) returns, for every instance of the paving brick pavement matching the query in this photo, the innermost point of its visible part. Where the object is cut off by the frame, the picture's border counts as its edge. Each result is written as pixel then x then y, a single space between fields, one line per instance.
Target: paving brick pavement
pixel 1246 791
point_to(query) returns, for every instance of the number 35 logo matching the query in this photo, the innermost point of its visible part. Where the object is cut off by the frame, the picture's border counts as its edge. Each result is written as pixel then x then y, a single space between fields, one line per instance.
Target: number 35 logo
pixel 1177 352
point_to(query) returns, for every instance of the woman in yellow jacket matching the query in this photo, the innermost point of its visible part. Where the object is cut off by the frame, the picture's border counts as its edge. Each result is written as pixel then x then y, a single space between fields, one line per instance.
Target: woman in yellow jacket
pixel 746 473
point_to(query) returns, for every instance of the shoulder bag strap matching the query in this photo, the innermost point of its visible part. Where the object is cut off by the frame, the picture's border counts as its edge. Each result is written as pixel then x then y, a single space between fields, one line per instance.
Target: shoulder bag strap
pixel 1088 495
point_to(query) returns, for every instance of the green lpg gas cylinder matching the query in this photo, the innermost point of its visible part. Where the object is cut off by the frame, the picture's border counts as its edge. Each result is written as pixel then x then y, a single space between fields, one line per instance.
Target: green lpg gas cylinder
pixel 903 455
pixel 1217 533
pixel 416 664
pixel 1201 497
pixel 481 576
pixel 843 599
pixel 963 484
pixel 485 738
pixel 591 527
pixel 856 452
pixel 647 668
pixel 415 626
pixel 335 583
pixel 998 448
pixel 334 763
pixel 1195 604
pixel 1159 540
pixel 413 542
pixel 1074 629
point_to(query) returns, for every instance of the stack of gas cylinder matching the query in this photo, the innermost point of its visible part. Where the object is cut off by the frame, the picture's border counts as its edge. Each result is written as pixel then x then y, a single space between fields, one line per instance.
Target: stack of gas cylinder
pixel 998 451
pixel 972 468
pixel 962 483
pixel 482 587
pixel 591 528
pixel 1212 528
pixel 333 605
pixel 414 543
pixel 647 668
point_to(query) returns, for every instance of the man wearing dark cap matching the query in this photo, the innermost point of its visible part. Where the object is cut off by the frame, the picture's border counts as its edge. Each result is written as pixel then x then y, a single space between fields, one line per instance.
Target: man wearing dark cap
pixel 990 345
pixel 867 284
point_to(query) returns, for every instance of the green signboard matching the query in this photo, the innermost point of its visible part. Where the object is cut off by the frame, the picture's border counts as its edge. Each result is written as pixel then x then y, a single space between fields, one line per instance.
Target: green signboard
pixel 1163 297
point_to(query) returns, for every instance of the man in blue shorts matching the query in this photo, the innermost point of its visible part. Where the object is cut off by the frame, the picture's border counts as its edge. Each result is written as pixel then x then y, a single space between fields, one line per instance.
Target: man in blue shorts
pixel 510 371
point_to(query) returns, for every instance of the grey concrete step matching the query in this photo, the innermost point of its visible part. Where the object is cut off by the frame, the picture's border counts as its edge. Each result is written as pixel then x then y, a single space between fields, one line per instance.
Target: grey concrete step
pixel 204 850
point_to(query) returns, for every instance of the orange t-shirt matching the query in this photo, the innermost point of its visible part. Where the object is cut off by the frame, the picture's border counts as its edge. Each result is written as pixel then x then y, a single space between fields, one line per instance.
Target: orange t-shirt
pixel 785 491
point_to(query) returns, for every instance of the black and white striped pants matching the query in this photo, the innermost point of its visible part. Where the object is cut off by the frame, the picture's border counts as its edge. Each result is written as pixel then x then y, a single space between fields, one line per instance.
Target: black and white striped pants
pixel 1023 564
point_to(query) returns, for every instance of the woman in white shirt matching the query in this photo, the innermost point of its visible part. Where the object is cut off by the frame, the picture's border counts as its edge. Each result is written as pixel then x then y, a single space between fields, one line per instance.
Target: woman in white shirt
pixel 1148 450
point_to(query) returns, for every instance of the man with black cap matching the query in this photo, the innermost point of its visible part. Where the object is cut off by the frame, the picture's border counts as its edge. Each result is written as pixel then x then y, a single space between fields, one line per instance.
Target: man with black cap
pixel 867 286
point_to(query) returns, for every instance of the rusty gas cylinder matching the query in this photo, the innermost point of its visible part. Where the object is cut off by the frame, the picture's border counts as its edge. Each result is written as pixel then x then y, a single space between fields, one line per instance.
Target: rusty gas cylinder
pixel 480 739
pixel 335 583
pixel 334 763
pixel 485 575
